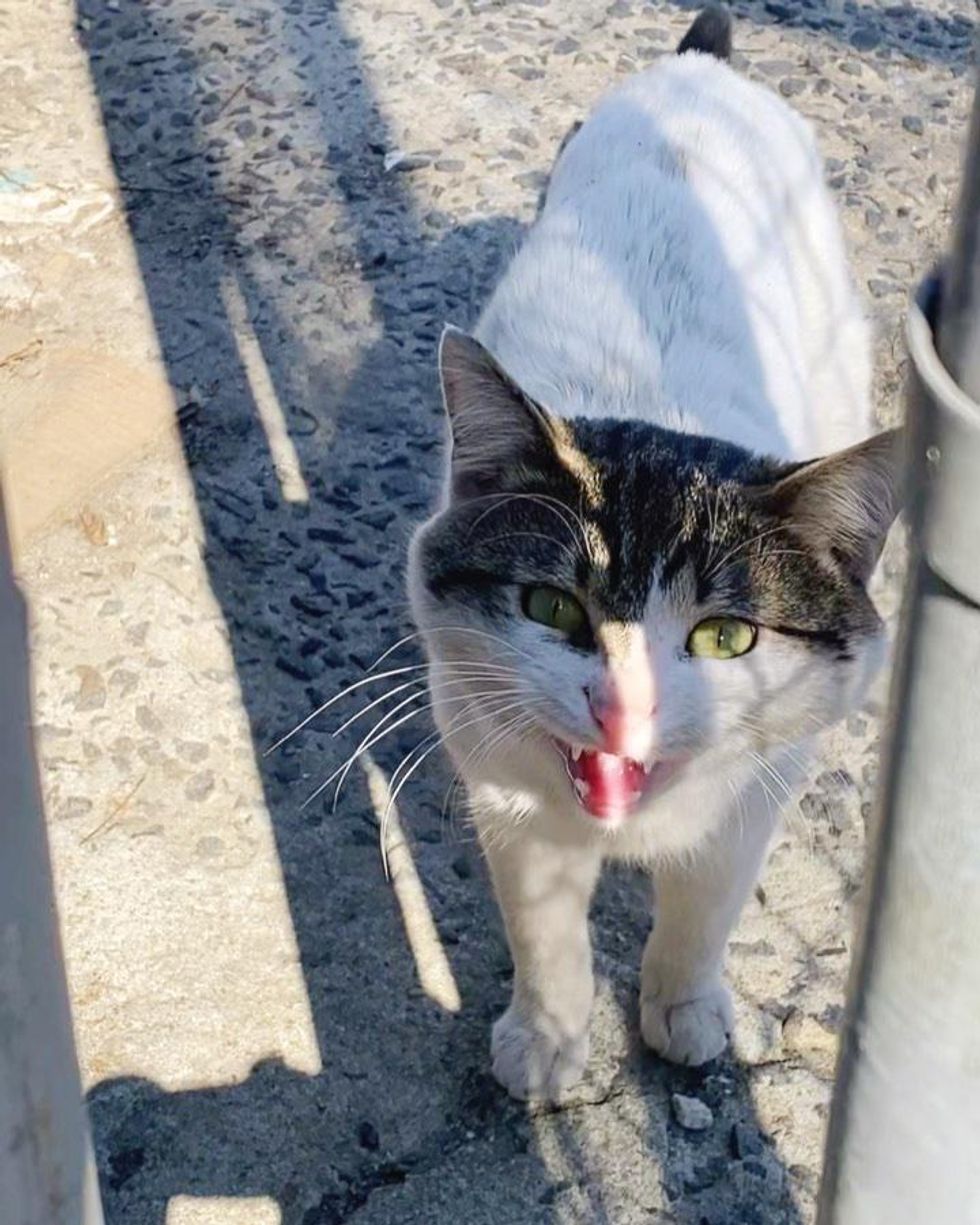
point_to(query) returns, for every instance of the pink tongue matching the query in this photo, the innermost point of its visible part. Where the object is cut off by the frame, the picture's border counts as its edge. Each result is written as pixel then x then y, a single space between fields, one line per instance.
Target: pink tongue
pixel 611 782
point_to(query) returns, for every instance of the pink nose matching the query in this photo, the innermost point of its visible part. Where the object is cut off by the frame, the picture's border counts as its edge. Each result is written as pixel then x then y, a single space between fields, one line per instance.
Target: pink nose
pixel 618 721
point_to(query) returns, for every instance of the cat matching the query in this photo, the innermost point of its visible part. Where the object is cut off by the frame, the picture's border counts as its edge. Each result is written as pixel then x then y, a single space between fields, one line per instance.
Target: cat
pixel 644 590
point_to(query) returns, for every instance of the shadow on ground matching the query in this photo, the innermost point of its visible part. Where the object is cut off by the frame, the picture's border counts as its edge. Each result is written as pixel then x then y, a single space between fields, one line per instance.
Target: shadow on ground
pixel 911 30
pixel 269 213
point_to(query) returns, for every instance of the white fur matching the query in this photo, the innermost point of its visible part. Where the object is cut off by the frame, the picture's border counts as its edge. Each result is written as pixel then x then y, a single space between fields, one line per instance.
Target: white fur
pixel 622 303
pixel 599 316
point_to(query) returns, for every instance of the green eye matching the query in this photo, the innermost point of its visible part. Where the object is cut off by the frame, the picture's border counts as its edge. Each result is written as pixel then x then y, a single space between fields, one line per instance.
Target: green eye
pixel 554 608
pixel 721 638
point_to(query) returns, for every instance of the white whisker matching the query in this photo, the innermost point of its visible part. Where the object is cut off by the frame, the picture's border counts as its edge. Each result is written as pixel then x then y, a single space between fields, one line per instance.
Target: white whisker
pixel 372 739
pixel 411 770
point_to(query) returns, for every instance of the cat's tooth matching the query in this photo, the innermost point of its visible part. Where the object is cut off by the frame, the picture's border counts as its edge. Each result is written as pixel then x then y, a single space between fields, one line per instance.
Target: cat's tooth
pixel 581 788
pixel 576 752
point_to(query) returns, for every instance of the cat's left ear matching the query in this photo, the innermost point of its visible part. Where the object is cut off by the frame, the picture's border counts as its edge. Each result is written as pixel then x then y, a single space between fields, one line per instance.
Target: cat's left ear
pixel 496 428
pixel 845 503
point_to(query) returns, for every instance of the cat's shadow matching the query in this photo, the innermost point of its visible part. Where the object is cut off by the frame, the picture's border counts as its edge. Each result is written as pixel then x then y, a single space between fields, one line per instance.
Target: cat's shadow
pixel 404 1122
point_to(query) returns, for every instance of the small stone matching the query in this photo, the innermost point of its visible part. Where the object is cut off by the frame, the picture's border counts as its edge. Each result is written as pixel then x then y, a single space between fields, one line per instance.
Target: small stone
pixel 691 1112
pixel 705 1174
pixel 94 527
pixel 148 720
pixel 745 1141
pixel 301 672
pixel 881 289
pixel 379 519
pixel 913 124
pixel 523 137
pixel 328 535
pixel 288 771
pixel 124 681
pixel 200 786
pixel 805 1037
pixel 791 86
pixel 74 806
pixel 397 161
pixel 192 750
pixel 462 867
pixel 91 689
pixel 536 179
pixel 565 46
pixel 209 846
pixel 865 38
pixel 367 1135
pixel 312 608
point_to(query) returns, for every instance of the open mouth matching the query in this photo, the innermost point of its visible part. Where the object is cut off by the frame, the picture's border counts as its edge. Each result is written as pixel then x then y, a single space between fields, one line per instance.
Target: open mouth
pixel 609 786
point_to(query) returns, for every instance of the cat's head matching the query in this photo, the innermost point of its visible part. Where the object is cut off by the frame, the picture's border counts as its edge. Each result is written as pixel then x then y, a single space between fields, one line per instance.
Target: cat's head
pixel 608 604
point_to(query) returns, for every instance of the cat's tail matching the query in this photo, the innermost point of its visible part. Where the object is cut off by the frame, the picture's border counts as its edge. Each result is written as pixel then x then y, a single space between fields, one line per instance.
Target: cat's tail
pixel 711 34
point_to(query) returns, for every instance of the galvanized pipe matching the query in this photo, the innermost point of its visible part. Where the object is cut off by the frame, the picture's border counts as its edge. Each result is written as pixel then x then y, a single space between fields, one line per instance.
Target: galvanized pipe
pixel 46 1171
pixel 959 322
pixel 903 1145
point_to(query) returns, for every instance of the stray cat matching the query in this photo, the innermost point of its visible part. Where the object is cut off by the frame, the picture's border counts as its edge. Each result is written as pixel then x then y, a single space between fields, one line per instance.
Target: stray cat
pixel 643 595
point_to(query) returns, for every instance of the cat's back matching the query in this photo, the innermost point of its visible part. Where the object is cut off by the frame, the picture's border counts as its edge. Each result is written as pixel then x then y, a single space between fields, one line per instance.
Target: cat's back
pixel 687 268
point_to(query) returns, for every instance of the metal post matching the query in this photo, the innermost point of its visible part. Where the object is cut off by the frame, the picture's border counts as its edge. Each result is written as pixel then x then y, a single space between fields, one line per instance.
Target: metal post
pixel 46 1172
pixel 904 1140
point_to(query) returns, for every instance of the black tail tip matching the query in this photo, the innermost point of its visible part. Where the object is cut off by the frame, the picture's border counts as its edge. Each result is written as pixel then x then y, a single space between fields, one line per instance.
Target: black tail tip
pixel 711 34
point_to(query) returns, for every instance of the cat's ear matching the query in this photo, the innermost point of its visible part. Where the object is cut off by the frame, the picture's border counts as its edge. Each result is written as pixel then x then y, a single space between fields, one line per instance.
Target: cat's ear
pixel 845 503
pixel 496 428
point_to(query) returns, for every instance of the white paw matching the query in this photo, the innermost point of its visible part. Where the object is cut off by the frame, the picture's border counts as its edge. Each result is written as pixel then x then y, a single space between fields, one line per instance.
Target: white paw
pixel 534 1060
pixel 688 1031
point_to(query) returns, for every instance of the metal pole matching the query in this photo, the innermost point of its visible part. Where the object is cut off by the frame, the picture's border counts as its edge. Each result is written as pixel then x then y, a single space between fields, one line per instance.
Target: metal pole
pixel 959 323
pixel 46 1171
pixel 903 1145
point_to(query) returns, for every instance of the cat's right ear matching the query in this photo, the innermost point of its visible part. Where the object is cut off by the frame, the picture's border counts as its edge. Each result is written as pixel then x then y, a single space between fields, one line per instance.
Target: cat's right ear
pixel 496 428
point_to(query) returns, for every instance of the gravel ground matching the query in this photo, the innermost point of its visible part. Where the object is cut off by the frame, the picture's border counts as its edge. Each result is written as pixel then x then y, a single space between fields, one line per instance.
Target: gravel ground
pixel 262 212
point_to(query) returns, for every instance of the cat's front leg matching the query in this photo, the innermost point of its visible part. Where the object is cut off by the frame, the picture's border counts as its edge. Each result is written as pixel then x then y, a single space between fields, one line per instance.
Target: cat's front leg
pixel 540 1045
pixel 685 1007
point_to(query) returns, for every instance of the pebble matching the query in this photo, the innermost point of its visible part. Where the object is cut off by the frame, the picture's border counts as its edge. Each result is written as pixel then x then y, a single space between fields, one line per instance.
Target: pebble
pixel 864 38
pixel 91 689
pixel 200 786
pixel 535 179
pixel 691 1113
pixel 745 1141
pixel 192 750
pixel 288 771
pixel 147 720
pixel 913 124
pixel 805 1037
pixel 379 519
pixel 400 162
pixel 462 867
pixel 880 288
pixel 299 671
